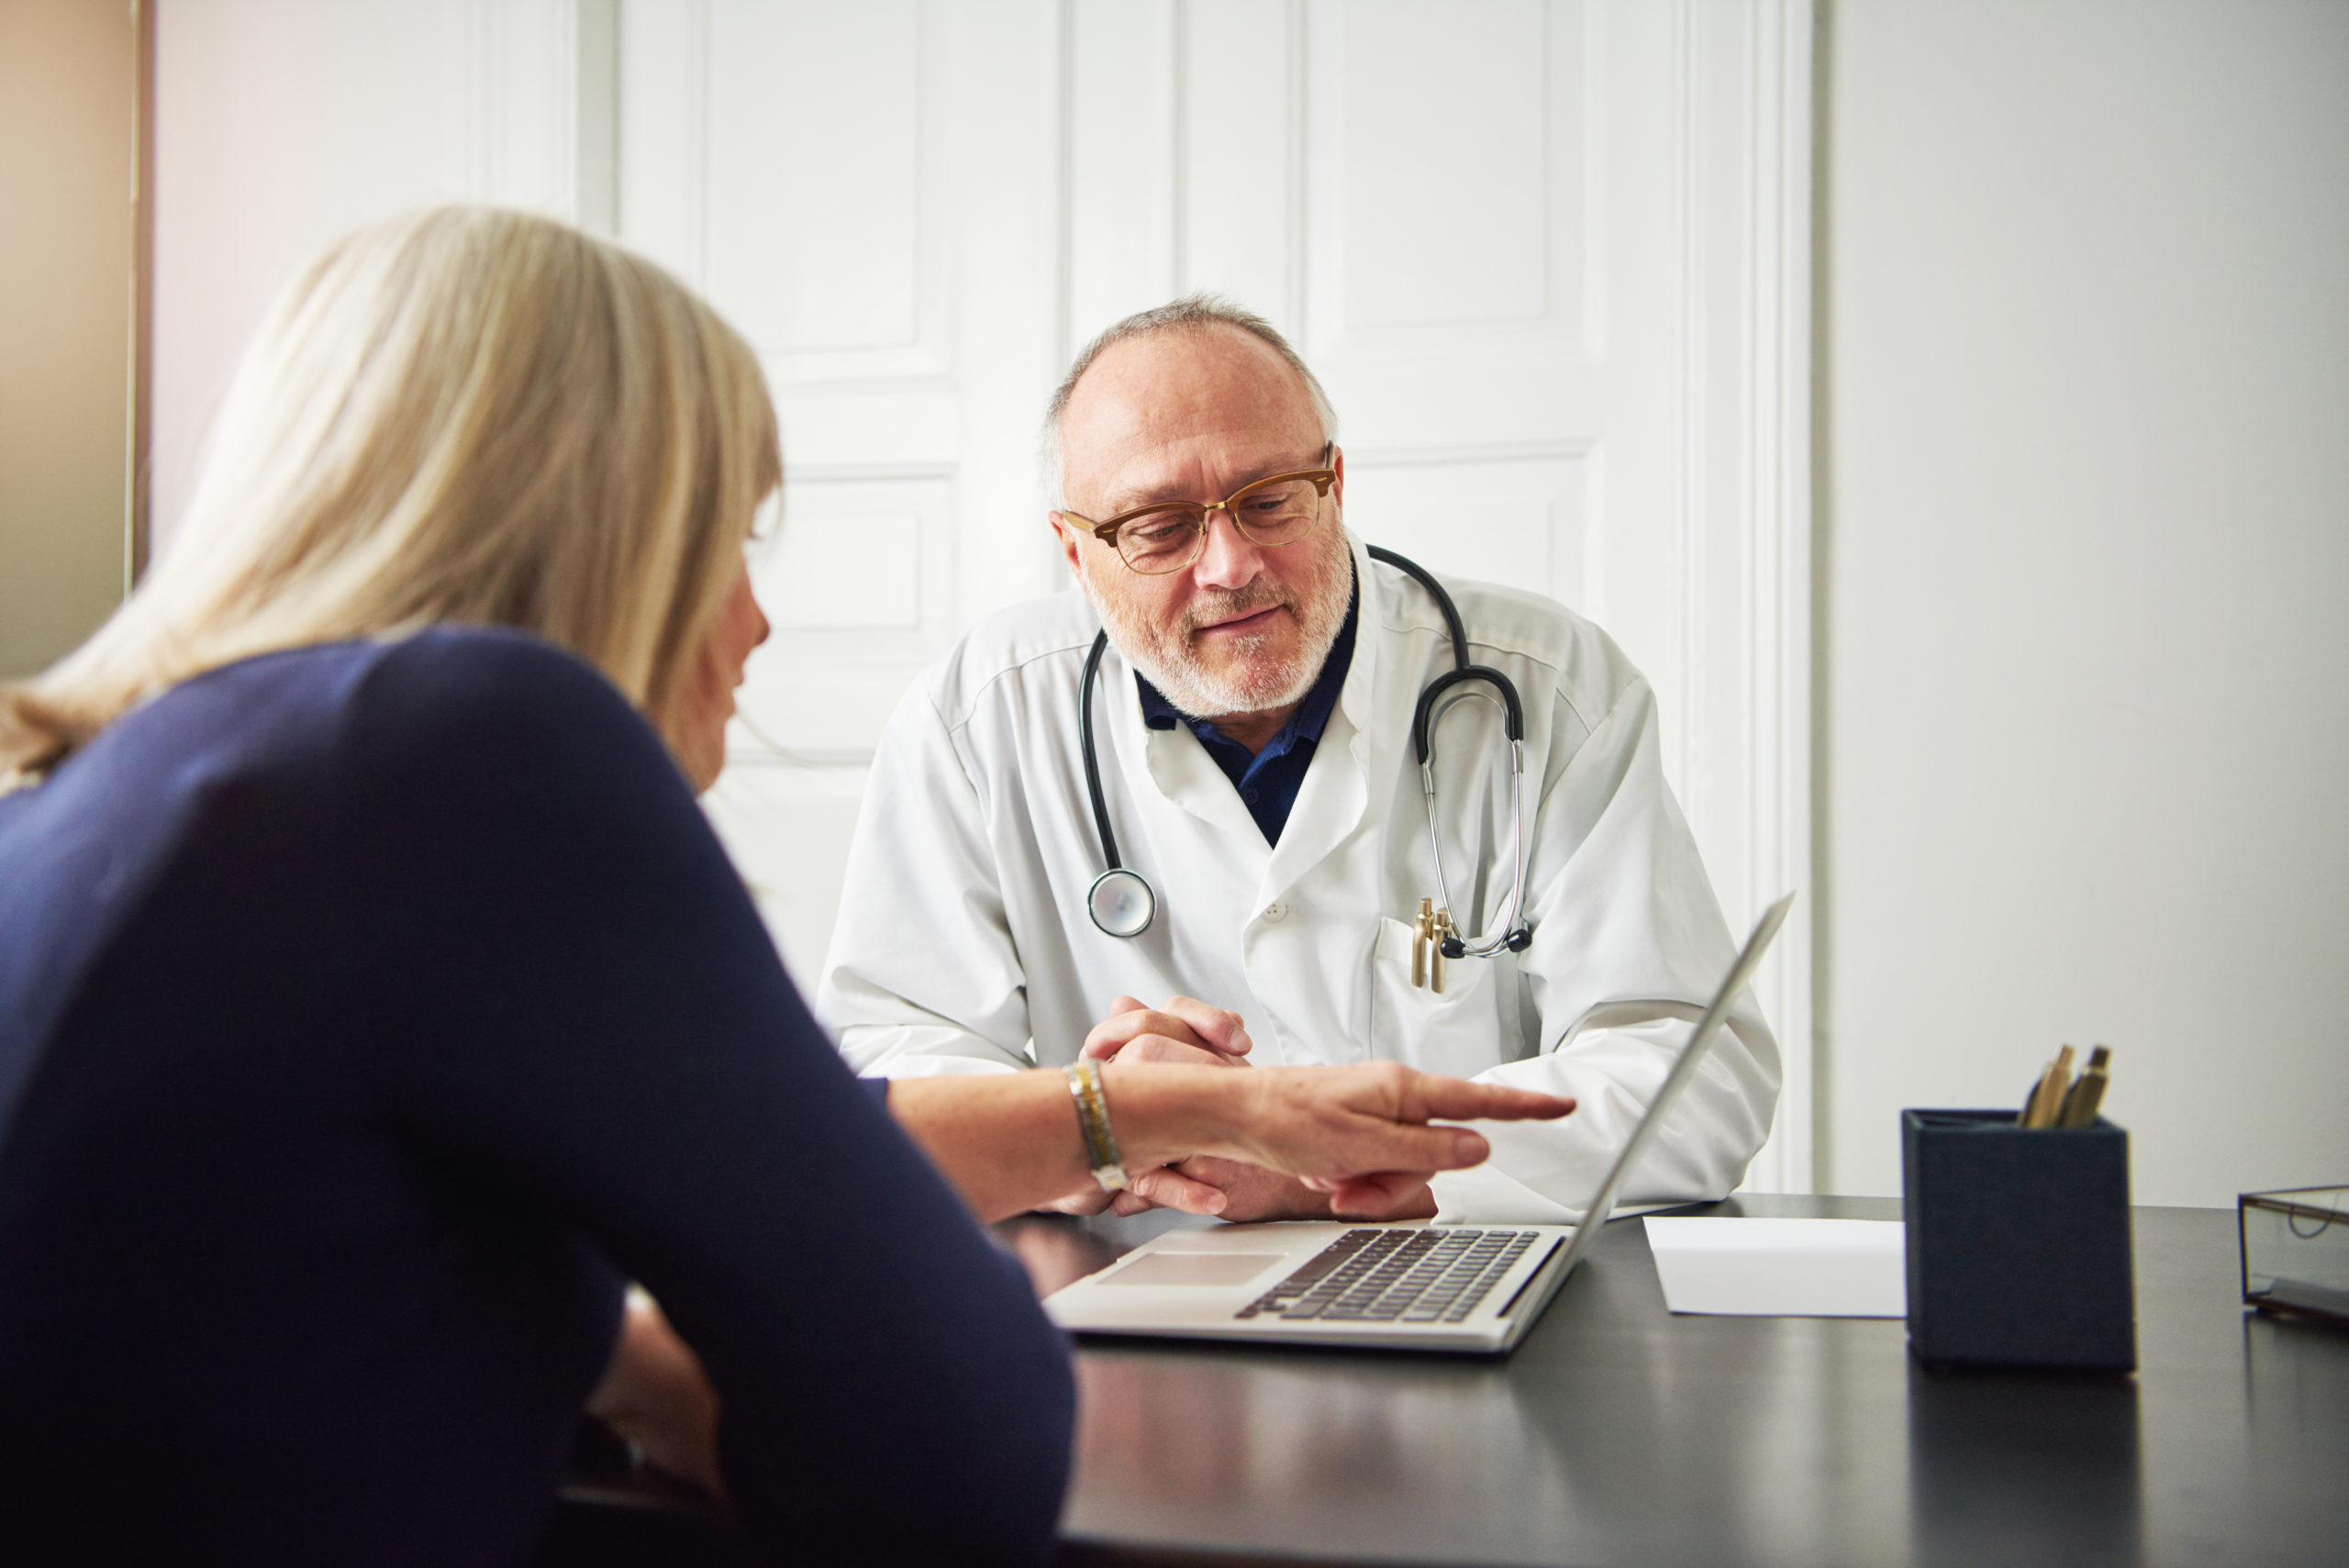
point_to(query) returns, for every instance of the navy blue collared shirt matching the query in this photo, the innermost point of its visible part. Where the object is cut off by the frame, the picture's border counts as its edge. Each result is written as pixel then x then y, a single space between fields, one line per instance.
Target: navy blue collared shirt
pixel 1267 782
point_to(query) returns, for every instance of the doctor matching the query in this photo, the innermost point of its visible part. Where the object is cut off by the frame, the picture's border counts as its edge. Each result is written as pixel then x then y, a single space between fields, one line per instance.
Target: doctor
pixel 1251 715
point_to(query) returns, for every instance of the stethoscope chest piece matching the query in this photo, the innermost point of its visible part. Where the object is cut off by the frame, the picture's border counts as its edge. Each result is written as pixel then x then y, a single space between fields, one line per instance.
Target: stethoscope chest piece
pixel 1121 902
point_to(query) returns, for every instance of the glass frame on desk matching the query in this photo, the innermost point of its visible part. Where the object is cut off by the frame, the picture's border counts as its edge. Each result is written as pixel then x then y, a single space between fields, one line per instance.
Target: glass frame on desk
pixel 2295 1251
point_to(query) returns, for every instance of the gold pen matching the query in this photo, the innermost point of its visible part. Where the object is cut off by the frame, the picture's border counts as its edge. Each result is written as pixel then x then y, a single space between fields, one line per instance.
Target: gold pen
pixel 2031 1098
pixel 2086 1091
pixel 2039 1111
pixel 1422 937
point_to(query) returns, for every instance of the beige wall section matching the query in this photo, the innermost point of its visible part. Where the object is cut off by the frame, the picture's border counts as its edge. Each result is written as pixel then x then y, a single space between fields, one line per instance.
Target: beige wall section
pixel 67 95
pixel 2083 607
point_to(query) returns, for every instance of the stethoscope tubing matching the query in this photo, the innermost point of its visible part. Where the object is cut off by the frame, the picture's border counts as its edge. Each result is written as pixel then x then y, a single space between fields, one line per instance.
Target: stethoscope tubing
pixel 1121 901
pixel 1127 893
pixel 1513 936
pixel 1093 757
pixel 1510 939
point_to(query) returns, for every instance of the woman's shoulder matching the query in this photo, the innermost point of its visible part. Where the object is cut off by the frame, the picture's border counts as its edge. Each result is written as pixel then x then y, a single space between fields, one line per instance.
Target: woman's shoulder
pixel 452 669
pixel 437 706
pixel 423 689
pixel 458 676
pixel 480 712
pixel 461 666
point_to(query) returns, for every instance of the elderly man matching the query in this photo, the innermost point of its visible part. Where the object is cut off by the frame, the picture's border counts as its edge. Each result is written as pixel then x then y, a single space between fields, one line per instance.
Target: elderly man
pixel 1249 724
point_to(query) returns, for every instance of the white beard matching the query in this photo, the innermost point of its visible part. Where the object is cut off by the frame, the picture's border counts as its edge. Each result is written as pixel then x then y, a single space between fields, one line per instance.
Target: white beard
pixel 1168 658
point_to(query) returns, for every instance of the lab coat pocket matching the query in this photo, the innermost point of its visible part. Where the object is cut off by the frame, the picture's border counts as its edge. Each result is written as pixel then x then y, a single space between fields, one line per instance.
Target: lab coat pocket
pixel 1452 1031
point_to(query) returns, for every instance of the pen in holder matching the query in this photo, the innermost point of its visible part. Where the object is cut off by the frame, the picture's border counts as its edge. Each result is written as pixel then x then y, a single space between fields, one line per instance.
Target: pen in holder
pixel 2019 1249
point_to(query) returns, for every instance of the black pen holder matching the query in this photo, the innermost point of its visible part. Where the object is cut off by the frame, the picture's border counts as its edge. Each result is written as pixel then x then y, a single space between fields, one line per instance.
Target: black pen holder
pixel 2017 1242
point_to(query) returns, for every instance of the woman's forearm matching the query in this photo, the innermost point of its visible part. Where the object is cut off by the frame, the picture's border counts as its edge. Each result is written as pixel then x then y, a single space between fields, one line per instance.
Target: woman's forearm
pixel 1013 1142
pixel 1010 1142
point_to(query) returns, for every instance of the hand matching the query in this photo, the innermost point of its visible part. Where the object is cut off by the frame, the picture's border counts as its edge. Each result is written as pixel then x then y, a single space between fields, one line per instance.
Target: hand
pixel 1185 1031
pixel 1250 1193
pixel 1180 1185
pixel 1089 1199
pixel 1356 1134
pixel 1160 1186
pixel 1359 1134
pixel 655 1395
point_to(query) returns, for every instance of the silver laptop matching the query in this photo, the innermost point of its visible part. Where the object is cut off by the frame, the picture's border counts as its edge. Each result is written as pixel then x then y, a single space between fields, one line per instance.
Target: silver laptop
pixel 1474 1288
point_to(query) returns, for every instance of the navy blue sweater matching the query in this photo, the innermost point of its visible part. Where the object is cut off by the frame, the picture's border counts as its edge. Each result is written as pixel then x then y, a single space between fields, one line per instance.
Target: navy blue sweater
pixel 367 1013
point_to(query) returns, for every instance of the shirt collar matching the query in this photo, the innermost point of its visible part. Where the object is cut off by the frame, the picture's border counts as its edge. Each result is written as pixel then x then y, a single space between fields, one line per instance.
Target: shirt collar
pixel 1312 715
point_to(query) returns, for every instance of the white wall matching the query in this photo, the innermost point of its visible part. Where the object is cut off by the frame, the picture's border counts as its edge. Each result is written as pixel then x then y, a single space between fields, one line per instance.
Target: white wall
pixel 2083 575
pixel 282 124
pixel 243 118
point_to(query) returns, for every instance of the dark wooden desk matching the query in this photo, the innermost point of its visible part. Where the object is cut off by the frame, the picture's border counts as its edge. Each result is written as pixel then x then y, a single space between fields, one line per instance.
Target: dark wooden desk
pixel 1619 1433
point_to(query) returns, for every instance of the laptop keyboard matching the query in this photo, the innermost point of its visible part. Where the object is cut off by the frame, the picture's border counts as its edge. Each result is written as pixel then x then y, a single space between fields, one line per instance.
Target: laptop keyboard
pixel 1419 1275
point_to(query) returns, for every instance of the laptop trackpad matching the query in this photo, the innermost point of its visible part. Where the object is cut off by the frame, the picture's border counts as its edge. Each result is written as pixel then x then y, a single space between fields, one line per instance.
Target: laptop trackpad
pixel 1194 1268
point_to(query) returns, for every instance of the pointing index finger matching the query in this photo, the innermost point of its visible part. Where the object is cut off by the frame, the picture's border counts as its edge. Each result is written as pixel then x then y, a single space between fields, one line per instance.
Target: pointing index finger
pixel 1457 1099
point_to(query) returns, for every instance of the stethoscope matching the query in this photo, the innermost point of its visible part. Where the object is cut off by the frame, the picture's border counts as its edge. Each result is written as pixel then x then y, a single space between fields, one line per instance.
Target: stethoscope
pixel 1123 903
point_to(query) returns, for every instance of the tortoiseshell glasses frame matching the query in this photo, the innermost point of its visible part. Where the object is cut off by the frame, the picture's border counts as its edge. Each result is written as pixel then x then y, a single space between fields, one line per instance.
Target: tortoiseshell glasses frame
pixel 1167 536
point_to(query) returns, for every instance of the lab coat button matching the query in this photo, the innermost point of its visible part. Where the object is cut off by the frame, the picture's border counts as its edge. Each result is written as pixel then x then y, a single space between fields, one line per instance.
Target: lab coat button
pixel 1276 912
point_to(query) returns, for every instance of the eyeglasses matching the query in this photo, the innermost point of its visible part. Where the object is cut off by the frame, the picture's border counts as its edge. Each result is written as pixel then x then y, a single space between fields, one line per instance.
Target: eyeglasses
pixel 1167 536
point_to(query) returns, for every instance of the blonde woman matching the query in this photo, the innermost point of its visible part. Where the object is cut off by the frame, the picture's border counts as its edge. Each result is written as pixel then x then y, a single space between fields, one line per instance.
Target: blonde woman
pixel 374 1000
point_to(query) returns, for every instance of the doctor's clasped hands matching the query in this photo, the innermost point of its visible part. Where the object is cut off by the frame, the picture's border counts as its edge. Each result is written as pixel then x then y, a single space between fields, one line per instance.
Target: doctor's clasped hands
pixel 1187 1031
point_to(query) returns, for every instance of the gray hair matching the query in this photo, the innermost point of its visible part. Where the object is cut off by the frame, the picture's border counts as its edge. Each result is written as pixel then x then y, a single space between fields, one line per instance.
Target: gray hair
pixel 1194 313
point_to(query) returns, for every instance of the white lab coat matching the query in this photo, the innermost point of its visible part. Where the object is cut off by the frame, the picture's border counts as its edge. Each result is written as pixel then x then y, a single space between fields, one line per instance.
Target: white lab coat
pixel 964 946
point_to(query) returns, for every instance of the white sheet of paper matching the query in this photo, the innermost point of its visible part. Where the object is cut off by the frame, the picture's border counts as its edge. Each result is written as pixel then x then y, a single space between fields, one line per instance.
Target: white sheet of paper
pixel 1782 1268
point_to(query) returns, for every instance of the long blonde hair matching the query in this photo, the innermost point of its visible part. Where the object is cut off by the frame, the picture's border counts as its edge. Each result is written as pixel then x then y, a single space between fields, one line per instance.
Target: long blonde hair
pixel 465 415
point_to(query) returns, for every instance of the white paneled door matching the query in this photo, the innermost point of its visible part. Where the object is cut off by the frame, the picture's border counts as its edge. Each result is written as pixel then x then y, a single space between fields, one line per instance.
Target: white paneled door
pixel 1548 255
pixel 869 193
